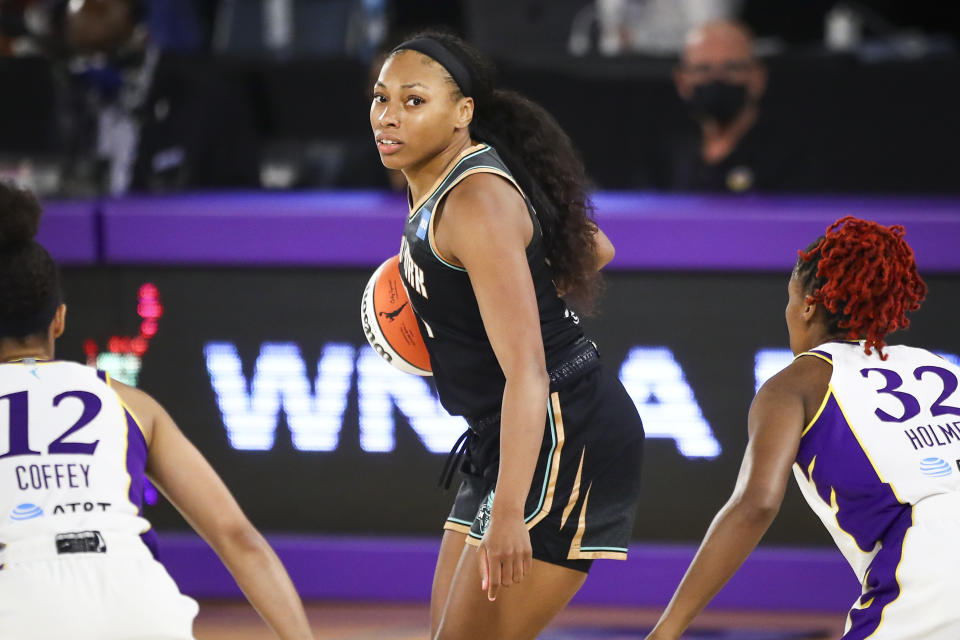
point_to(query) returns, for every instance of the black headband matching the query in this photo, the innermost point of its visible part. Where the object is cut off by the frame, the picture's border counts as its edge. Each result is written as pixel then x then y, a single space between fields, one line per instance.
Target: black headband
pixel 446 58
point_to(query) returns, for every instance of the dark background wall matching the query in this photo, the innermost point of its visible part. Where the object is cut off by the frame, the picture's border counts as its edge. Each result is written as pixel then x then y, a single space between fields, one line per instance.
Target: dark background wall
pixel 886 128
pixel 713 323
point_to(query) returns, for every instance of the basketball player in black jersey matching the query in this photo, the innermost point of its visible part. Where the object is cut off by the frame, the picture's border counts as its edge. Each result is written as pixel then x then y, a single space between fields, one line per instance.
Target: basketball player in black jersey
pixel 499 228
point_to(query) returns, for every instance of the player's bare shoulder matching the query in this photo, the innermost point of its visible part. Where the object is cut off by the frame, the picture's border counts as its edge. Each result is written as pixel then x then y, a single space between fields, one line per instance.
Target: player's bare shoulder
pixel 483 199
pixel 145 409
pixel 807 378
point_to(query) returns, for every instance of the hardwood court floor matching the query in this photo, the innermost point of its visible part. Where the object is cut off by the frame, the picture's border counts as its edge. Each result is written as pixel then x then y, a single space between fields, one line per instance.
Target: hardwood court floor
pixel 352 621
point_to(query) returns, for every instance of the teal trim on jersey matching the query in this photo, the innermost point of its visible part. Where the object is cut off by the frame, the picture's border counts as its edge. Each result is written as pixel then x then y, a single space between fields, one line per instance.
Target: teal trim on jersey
pixel 618 549
pixel 444 262
pixel 486 148
pixel 459 521
pixel 553 448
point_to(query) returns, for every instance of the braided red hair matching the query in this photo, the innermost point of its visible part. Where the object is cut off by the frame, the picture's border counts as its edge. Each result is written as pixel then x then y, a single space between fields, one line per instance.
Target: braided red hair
pixel 866 277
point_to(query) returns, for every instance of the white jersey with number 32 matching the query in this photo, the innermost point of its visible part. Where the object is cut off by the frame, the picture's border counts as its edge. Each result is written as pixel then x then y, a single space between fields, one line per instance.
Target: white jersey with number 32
pixel 879 465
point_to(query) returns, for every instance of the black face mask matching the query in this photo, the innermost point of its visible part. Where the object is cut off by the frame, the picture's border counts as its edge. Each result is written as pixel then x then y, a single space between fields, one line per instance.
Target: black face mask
pixel 718 101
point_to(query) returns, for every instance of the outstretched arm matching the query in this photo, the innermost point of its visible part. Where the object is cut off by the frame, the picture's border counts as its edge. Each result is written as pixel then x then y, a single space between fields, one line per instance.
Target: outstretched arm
pixel 178 469
pixel 775 423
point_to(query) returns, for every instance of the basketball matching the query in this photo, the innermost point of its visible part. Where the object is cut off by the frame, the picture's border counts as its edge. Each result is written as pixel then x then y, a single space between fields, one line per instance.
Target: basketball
pixel 390 323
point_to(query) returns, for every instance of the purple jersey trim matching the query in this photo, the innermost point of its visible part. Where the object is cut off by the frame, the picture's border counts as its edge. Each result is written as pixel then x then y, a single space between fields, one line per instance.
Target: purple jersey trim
pixel 103 376
pixel 882 586
pixel 866 506
pixel 136 459
pixel 136 466
pixel 149 538
pixel 822 354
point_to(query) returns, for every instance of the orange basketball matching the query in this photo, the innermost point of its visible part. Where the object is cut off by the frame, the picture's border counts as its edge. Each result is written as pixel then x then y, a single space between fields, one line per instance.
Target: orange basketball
pixel 390 323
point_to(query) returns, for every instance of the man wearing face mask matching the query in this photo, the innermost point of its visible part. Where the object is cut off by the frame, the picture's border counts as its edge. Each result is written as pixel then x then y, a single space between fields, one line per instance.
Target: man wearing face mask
pixel 735 148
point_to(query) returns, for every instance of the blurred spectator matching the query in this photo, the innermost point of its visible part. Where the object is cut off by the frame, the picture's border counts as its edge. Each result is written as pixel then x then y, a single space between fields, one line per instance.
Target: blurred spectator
pixel 316 142
pixel 655 27
pixel 181 25
pixel 285 29
pixel 24 27
pixel 135 117
pixel 735 147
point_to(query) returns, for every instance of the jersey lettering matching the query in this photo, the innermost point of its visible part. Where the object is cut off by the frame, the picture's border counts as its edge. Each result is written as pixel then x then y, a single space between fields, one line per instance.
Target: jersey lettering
pixel 938 408
pixel 412 272
pixel 911 408
pixel 19 428
pixel 53 476
pixel 911 405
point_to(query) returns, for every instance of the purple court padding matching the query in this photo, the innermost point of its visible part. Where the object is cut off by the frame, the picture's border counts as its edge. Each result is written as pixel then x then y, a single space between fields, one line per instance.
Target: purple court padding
pixel 762 232
pixel 362 228
pixel 255 228
pixel 401 570
pixel 68 230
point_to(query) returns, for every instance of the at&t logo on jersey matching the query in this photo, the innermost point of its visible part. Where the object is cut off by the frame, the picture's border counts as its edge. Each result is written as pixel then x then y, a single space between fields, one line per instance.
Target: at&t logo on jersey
pixel 935 467
pixel 26 511
pixel 81 507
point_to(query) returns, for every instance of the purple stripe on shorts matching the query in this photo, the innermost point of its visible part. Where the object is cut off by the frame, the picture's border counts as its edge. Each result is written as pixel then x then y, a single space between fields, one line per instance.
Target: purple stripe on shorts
pixel 867 507
pixel 882 584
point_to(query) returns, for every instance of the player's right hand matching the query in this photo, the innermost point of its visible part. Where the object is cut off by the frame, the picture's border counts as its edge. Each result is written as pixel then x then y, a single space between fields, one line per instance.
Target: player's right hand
pixel 505 554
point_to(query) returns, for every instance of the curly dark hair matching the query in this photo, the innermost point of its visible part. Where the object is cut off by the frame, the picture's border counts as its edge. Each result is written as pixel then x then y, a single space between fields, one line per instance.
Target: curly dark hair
pixel 866 277
pixel 29 279
pixel 544 163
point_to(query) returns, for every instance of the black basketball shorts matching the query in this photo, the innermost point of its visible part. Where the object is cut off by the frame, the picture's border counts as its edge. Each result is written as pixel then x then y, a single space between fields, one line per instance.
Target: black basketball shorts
pixel 583 500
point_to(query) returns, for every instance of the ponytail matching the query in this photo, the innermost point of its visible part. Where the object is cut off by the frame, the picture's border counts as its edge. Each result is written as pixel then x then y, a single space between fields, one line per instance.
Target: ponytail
pixel 541 157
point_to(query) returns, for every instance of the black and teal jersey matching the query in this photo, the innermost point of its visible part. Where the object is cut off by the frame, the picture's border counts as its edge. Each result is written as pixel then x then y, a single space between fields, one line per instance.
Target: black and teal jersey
pixel 468 377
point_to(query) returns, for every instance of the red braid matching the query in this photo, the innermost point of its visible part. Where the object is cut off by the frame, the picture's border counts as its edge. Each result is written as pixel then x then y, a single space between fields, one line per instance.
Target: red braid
pixel 867 275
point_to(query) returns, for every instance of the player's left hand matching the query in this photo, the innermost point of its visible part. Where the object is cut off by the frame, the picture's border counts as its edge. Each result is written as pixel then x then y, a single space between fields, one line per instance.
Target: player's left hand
pixel 505 554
